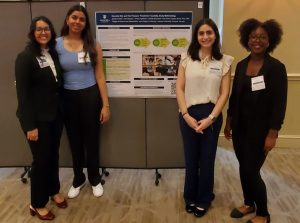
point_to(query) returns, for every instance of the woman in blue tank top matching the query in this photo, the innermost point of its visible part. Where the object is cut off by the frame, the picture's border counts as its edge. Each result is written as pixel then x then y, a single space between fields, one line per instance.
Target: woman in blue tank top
pixel 85 97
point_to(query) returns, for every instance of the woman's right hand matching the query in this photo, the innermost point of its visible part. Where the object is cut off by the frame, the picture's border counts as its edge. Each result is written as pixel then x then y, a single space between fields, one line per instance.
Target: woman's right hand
pixel 33 135
pixel 104 114
pixel 190 121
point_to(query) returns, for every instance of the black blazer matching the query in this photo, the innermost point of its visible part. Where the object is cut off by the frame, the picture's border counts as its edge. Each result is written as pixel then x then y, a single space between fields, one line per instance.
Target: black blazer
pixel 271 101
pixel 37 90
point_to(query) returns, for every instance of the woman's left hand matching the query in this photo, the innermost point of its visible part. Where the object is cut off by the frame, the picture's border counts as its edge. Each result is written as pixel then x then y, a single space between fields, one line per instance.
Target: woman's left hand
pixel 104 114
pixel 203 124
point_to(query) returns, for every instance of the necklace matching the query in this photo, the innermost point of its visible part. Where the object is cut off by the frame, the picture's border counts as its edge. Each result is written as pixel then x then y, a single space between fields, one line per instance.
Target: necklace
pixel 204 60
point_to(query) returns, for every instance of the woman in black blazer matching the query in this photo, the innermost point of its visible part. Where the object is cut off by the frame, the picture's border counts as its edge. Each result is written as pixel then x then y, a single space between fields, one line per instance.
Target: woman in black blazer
pixel 38 83
pixel 256 112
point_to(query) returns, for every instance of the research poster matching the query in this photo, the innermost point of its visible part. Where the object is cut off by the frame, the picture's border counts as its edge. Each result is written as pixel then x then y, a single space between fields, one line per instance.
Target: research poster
pixel 141 51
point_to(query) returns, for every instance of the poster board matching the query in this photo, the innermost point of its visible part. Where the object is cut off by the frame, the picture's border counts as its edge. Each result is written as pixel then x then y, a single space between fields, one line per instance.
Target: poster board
pixel 141 51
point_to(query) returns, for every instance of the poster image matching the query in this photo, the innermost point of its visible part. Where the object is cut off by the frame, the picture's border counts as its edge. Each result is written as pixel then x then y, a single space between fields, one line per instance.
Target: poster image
pixel 160 65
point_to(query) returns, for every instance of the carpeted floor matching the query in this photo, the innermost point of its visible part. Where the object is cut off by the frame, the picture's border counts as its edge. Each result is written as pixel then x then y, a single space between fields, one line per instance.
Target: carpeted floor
pixel 131 196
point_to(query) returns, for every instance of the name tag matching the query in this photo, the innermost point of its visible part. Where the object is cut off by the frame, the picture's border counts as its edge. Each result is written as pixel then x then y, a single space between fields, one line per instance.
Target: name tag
pixel 258 83
pixel 42 61
pixel 216 68
pixel 82 58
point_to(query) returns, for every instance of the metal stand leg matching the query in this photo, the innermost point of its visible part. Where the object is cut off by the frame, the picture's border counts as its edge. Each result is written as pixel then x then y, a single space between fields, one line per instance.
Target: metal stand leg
pixel 104 172
pixel 26 172
pixel 157 177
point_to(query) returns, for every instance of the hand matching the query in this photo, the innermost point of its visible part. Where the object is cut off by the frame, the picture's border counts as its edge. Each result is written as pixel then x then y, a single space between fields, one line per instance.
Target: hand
pixel 104 114
pixel 270 140
pixel 227 131
pixel 203 124
pixel 190 121
pixel 270 143
pixel 33 135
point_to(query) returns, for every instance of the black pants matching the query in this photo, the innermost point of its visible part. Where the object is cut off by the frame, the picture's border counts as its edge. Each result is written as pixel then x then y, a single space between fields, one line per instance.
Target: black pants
pixel 44 169
pixel 200 152
pixel 82 112
pixel 249 149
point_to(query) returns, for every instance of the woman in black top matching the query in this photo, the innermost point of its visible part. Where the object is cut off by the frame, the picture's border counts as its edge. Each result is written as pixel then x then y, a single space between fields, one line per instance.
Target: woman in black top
pixel 38 82
pixel 256 111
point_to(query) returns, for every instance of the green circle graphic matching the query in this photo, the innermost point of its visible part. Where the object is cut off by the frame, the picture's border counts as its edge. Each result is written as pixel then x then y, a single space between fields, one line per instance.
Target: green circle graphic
pixel 156 42
pixel 137 42
pixel 175 42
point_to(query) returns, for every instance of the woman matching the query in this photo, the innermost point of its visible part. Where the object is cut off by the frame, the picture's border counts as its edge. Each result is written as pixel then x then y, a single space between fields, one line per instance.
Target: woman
pixel 202 90
pixel 256 111
pixel 85 97
pixel 38 81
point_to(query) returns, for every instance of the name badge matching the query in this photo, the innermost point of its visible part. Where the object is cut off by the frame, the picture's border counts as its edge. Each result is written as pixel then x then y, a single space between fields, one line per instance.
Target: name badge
pixel 82 58
pixel 216 68
pixel 42 61
pixel 258 83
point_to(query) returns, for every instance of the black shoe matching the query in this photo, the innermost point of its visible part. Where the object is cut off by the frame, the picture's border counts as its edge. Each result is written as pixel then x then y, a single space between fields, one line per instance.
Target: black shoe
pixel 235 213
pixel 189 208
pixel 199 213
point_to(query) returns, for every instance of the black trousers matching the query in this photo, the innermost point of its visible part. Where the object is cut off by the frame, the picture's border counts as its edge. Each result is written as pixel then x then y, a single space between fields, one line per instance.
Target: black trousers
pixel 249 150
pixel 45 167
pixel 200 153
pixel 82 112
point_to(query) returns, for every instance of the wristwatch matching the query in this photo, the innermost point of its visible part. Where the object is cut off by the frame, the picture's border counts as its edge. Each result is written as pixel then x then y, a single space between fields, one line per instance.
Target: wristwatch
pixel 213 118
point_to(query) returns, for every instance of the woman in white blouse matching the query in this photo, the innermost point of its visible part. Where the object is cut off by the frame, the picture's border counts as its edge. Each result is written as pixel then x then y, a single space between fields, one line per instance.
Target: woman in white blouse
pixel 202 89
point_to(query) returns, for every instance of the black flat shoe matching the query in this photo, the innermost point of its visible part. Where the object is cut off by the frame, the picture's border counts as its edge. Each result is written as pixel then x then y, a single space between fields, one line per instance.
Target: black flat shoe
pixel 189 208
pixel 199 213
pixel 235 213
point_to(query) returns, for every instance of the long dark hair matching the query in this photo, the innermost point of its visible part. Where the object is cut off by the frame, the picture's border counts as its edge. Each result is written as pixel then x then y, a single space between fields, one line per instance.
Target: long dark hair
pixel 33 44
pixel 86 35
pixel 194 46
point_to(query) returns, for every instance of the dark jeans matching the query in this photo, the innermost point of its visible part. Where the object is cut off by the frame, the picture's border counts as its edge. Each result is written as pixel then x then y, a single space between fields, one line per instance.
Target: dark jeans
pixel 200 152
pixel 44 174
pixel 82 112
pixel 249 151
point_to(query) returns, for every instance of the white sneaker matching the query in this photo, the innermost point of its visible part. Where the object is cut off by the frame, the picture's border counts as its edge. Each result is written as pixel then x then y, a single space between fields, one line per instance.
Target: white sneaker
pixel 98 190
pixel 74 191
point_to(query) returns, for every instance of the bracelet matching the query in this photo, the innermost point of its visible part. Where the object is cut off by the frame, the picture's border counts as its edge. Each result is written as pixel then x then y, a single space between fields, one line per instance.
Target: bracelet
pixel 183 114
pixel 213 118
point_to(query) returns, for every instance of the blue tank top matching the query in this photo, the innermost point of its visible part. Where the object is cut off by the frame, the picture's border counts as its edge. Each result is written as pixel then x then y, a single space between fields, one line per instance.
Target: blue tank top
pixel 76 75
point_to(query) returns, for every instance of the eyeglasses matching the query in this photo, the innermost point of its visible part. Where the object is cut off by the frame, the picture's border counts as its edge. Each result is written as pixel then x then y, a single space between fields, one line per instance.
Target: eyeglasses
pixel 259 38
pixel 41 29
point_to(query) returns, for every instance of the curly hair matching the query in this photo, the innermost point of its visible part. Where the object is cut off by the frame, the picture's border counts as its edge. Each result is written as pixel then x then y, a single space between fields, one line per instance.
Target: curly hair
pixel 271 26
pixel 33 44
pixel 86 34
pixel 194 46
